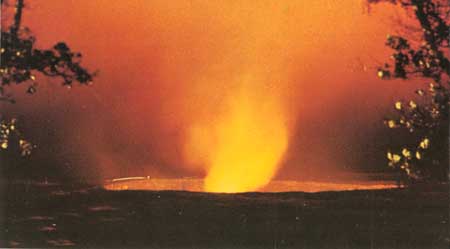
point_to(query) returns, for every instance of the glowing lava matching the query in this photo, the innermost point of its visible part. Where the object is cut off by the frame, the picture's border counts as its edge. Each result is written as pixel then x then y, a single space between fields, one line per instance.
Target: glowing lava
pixel 251 141
pixel 244 146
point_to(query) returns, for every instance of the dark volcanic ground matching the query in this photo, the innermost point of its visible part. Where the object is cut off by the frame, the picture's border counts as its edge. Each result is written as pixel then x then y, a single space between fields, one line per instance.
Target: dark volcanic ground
pixel 40 215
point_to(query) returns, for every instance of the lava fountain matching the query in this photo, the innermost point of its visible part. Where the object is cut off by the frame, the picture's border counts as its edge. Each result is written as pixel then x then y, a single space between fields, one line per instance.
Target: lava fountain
pixel 243 147
pixel 251 142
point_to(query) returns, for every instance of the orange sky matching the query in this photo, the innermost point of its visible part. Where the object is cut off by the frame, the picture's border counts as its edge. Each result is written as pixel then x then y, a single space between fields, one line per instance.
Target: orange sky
pixel 168 66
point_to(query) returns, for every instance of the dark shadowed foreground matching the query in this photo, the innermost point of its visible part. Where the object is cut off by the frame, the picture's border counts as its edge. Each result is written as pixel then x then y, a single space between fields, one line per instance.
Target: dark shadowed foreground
pixel 46 215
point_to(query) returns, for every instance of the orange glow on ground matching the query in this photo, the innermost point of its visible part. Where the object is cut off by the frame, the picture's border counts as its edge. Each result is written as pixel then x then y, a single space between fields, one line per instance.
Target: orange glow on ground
pixel 196 185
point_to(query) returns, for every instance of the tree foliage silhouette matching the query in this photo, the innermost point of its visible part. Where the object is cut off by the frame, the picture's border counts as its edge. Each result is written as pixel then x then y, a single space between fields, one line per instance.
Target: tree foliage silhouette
pixel 427 117
pixel 21 61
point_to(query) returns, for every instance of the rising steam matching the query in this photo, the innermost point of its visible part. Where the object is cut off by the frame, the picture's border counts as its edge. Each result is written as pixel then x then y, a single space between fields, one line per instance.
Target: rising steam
pixel 217 89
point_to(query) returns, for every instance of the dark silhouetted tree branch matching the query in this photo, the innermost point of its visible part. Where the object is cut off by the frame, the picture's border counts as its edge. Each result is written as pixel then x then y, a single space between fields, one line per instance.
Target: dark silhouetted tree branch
pixel 427 117
pixel 21 61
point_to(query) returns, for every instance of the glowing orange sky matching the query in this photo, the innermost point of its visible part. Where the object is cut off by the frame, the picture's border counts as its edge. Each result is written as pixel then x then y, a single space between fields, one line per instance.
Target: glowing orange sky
pixel 166 66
